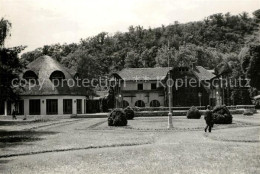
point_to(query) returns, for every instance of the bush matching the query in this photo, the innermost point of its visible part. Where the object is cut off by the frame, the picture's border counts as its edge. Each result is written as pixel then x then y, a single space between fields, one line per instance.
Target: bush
pixel 222 115
pixel 130 113
pixel 117 118
pixel 193 113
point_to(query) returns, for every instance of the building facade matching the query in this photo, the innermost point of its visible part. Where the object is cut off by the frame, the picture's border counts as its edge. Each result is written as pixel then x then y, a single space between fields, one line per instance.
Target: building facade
pixel 147 87
pixel 48 89
pixel 140 87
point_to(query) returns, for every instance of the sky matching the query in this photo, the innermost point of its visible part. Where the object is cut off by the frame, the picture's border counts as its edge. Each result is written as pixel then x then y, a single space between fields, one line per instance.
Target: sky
pixel 43 22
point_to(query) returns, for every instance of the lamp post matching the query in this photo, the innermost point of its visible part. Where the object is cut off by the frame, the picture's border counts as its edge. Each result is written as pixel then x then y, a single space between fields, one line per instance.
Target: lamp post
pixel 120 100
pixel 218 101
pixel 169 95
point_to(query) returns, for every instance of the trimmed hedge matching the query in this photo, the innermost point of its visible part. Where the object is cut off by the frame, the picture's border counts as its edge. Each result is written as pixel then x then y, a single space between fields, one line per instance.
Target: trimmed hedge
pixel 117 118
pixel 129 112
pixel 162 108
pixel 193 113
pixel 248 112
pixel 222 115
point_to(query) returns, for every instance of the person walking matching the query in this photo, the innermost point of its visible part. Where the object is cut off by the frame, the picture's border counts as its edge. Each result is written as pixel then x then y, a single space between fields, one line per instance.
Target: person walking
pixel 14 114
pixel 209 119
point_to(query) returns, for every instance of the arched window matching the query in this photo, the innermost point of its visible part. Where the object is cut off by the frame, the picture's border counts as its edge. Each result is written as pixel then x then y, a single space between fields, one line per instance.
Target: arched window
pixel 125 104
pixel 30 76
pixel 76 76
pixel 139 103
pixel 56 77
pixel 154 103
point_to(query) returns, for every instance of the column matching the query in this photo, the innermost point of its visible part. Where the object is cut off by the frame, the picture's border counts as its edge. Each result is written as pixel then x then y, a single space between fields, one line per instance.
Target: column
pixel 5 108
pixel 43 106
pixel 60 106
pixel 26 106
pixel 82 106
pixel 74 106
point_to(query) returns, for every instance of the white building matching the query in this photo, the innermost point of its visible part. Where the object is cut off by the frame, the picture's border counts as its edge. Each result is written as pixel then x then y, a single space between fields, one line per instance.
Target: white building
pixel 43 97
pixel 139 86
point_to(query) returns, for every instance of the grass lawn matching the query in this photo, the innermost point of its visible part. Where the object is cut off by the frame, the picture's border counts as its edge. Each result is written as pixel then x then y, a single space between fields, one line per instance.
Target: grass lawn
pixel 144 146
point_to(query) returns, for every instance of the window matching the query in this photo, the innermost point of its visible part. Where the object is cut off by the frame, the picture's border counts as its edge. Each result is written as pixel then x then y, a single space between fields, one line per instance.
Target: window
pixel 30 75
pixel 35 107
pixel 154 103
pixel 139 103
pixel 67 106
pixel 56 77
pixel 9 108
pixel 51 106
pixel 20 107
pixel 79 106
pixel 140 86
pixel 2 107
pixel 125 104
pixel 153 86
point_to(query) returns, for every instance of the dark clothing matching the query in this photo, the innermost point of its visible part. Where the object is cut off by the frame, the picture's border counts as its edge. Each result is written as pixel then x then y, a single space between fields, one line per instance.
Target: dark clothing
pixel 209 120
pixel 14 116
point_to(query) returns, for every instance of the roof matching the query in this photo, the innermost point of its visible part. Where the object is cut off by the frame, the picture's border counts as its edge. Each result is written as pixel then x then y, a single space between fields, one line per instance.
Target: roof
pixel 43 67
pixel 143 73
pixel 203 74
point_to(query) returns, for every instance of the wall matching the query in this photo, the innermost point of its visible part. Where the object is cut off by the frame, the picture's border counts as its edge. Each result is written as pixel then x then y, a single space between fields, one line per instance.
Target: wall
pixel 147 97
pixel 131 94
pixel 60 103
pixel 132 85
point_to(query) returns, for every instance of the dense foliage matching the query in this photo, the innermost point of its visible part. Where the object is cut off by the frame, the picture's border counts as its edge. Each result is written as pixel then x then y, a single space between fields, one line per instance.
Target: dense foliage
pixel 193 113
pixel 208 42
pixel 250 58
pixel 117 118
pixel 222 115
pixel 10 65
pixel 129 112
pixel 217 42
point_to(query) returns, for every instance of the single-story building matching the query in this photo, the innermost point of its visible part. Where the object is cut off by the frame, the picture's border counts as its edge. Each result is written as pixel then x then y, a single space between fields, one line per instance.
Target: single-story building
pixel 49 89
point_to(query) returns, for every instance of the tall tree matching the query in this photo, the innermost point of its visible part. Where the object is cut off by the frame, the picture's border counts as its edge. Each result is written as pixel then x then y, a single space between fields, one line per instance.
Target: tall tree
pixel 251 64
pixel 163 55
pixel 133 60
pixel 10 65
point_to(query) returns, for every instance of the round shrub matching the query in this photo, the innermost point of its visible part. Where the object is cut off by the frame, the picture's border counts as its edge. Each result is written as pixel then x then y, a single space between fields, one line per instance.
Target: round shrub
pixel 193 113
pixel 117 118
pixel 222 115
pixel 129 112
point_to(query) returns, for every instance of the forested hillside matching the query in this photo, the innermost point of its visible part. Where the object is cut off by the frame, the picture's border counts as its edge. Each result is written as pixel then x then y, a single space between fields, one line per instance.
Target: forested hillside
pixel 217 38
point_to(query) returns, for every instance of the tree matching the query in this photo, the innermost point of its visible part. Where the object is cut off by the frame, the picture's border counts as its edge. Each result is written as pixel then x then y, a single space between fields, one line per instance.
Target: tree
pixel 186 55
pixel 10 65
pixel 163 55
pixel 30 56
pixel 253 70
pixel 251 64
pixel 133 60
pixel 207 40
pixel 257 14
pixel 148 57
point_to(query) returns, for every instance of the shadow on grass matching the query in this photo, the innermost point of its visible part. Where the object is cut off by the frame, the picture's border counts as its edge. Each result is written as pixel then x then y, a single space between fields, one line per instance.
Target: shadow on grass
pixel 14 138
pixel 2 164
pixel 21 122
